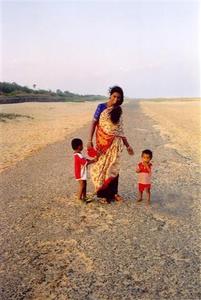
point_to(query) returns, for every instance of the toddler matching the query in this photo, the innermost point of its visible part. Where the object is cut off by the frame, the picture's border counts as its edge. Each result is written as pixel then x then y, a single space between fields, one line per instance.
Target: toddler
pixel 144 175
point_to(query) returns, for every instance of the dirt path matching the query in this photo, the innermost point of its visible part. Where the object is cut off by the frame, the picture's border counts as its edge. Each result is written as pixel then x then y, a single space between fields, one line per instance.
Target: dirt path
pixel 53 247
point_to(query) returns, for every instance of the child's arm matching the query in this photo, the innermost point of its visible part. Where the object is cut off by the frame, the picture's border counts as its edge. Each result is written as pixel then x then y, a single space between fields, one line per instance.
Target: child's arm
pixel 148 167
pixel 91 161
pixel 138 169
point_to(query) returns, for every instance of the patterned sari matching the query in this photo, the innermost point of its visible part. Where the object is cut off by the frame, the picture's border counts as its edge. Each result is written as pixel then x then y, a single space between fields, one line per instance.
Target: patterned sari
pixel 105 172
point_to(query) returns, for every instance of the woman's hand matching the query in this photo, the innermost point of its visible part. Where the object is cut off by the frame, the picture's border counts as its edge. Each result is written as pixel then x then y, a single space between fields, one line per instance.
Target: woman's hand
pixel 130 150
pixel 128 147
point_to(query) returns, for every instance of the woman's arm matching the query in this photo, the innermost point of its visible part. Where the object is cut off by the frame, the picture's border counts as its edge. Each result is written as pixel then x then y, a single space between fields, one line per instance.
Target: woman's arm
pixel 93 125
pixel 128 147
pixel 91 133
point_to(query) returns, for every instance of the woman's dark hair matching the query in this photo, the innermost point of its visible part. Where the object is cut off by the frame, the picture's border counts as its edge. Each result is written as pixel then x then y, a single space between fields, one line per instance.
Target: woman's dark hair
pixel 148 152
pixel 75 143
pixel 116 112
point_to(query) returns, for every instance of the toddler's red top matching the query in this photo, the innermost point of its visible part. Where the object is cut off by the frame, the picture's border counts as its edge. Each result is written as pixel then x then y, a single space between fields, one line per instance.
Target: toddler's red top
pixel 80 166
pixel 144 176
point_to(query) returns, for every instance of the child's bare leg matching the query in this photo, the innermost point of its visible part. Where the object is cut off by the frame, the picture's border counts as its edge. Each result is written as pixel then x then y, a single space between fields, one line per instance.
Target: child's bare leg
pixel 84 190
pixel 80 189
pixel 148 192
pixel 139 196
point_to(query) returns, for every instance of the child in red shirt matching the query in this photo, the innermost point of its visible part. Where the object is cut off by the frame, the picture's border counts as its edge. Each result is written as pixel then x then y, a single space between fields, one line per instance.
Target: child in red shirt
pixel 144 175
pixel 80 167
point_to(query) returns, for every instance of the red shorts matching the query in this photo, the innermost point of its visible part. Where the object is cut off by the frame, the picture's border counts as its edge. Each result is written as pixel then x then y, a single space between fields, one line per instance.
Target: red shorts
pixel 143 186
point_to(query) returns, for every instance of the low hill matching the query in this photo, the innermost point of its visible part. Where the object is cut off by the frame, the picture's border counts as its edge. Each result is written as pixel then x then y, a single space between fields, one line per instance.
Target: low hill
pixel 14 93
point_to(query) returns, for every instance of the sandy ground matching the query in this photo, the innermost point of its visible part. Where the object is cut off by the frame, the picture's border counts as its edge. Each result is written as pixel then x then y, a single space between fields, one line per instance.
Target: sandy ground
pixel 49 122
pixel 53 247
pixel 180 121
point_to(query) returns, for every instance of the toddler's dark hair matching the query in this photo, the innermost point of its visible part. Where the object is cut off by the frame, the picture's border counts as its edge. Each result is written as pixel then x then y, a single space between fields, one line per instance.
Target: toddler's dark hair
pixel 148 152
pixel 75 143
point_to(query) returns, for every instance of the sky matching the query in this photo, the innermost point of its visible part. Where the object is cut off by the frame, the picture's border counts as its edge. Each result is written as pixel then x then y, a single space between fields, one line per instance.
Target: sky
pixel 149 48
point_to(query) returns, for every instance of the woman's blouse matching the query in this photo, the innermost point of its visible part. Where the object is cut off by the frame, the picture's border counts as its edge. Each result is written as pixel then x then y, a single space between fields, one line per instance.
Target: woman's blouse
pixel 100 108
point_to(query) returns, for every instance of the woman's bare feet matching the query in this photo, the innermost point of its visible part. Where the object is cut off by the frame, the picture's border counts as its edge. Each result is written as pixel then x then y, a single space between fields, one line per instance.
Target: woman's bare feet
pixel 139 200
pixel 103 201
pixel 118 198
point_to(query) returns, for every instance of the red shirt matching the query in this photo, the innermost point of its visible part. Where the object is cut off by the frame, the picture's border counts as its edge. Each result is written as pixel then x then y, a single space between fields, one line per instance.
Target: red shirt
pixel 80 163
pixel 145 175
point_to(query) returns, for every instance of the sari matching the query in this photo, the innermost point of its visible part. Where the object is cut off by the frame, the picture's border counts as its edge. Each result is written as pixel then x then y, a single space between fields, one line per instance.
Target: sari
pixel 105 172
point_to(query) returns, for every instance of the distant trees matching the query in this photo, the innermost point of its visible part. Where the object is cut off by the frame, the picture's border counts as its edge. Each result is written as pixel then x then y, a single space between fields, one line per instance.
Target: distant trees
pixel 59 92
pixel 8 88
pixel 67 93
pixel 15 90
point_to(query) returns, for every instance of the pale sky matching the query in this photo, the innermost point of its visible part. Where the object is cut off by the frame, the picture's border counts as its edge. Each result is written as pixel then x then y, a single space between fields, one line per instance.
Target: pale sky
pixel 149 48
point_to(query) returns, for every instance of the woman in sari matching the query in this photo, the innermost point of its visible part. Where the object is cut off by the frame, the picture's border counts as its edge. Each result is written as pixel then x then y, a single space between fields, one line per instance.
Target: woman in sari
pixel 110 139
